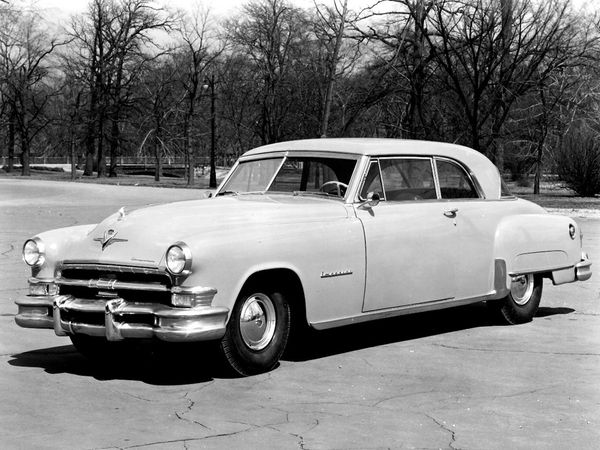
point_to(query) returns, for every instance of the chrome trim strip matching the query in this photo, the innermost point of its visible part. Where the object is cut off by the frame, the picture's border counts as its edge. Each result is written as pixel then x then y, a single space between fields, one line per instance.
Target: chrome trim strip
pixel 91 265
pixel 112 285
pixel 408 309
pixel 200 291
pixel 33 280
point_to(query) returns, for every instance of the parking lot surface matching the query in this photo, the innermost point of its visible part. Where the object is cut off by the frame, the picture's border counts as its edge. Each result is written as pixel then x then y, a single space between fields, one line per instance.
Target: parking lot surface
pixel 448 379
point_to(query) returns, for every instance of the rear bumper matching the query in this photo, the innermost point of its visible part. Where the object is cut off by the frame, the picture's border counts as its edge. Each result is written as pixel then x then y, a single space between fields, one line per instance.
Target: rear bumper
pixel 583 269
pixel 117 319
pixel 580 272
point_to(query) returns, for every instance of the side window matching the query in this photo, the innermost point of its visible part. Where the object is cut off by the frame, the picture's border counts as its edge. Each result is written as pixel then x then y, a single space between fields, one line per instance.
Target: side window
pixel 310 174
pixel 372 181
pixel 504 191
pixel 454 182
pixel 408 179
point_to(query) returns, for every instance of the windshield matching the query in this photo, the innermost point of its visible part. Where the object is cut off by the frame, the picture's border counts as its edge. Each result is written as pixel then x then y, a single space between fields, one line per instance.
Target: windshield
pixel 296 175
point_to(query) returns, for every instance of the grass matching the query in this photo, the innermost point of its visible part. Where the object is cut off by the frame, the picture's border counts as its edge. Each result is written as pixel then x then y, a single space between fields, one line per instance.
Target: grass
pixel 555 195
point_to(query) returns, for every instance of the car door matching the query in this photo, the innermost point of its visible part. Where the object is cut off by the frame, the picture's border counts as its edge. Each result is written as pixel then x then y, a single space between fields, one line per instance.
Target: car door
pixel 410 237
pixel 476 220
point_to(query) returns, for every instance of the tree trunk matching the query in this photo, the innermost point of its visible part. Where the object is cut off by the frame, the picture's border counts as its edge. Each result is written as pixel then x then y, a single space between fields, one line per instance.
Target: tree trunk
pixel 189 151
pixel 213 130
pixel 101 157
pixel 90 152
pixel 538 168
pixel 25 170
pixel 115 136
pixel 73 154
pixel 500 95
pixel 11 141
pixel 157 151
pixel 332 70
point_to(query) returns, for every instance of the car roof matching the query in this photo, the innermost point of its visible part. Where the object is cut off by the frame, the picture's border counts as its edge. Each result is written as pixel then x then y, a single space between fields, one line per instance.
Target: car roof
pixel 483 169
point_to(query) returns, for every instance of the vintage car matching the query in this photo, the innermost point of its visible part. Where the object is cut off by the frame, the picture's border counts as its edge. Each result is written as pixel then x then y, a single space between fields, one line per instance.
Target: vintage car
pixel 311 233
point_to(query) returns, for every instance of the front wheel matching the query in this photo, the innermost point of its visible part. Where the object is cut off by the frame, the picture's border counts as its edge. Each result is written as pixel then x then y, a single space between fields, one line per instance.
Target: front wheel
pixel 257 332
pixel 523 300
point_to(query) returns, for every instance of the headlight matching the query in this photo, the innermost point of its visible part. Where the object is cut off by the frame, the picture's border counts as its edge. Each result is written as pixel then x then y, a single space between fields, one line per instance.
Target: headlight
pixel 33 252
pixel 179 259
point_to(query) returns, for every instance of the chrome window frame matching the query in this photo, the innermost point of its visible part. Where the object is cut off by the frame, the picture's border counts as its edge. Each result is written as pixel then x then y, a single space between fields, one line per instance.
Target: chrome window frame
pixel 299 154
pixel 377 159
pixel 470 176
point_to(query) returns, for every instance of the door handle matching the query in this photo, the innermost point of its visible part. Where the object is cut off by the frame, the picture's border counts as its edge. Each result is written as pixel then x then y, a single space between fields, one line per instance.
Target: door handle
pixel 451 212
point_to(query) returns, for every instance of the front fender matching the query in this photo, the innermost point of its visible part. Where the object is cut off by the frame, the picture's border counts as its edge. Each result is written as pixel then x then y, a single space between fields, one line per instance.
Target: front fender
pixel 55 241
pixel 226 259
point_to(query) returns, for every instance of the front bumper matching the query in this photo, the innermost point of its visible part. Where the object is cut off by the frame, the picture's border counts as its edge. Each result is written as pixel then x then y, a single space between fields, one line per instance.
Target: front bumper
pixel 68 315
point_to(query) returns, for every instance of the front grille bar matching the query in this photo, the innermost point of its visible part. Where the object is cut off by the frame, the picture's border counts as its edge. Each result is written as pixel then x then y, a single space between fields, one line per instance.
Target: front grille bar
pixel 68 265
pixel 112 285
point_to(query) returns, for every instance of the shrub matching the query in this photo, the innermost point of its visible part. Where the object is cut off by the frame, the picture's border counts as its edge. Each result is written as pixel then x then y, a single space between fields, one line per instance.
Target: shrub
pixel 578 162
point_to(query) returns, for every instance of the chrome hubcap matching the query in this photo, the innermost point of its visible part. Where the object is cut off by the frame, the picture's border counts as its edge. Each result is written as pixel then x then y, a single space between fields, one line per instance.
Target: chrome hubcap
pixel 257 321
pixel 521 289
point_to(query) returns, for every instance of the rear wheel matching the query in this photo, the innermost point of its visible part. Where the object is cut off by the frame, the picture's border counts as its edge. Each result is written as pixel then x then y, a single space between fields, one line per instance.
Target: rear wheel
pixel 523 300
pixel 257 332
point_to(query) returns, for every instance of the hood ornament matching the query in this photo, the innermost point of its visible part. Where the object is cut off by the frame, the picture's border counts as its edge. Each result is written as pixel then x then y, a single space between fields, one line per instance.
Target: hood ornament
pixel 108 238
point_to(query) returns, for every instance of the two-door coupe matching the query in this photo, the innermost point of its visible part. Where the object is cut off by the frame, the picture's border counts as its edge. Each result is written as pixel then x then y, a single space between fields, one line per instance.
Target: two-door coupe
pixel 323 232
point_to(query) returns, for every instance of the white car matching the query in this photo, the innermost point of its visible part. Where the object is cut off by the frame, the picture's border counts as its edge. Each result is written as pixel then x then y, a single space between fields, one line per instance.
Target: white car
pixel 323 233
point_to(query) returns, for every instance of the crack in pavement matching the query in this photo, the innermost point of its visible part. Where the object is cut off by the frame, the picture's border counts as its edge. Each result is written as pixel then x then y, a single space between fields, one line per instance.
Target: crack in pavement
pixel 490 350
pixel 273 426
pixel 12 248
pixel 190 406
pixel 395 397
pixel 184 441
pixel 445 428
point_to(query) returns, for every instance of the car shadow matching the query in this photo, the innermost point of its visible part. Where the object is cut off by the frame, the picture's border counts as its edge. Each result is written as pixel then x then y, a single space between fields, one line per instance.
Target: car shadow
pixel 169 366
pixel 178 364
pixel 546 311
pixel 315 344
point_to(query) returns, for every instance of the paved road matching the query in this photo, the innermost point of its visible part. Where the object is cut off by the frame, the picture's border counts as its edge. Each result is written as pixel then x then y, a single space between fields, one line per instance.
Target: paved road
pixel 450 379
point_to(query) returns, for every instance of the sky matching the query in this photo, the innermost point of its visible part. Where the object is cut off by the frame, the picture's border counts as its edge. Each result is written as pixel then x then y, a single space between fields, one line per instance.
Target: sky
pixel 59 10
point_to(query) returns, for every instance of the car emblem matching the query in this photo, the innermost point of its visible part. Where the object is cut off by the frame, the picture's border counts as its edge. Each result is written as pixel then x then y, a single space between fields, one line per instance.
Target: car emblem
pixel 108 238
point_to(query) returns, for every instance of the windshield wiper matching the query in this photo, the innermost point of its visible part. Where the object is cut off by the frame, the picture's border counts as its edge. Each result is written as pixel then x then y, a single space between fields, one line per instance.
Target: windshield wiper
pixel 227 193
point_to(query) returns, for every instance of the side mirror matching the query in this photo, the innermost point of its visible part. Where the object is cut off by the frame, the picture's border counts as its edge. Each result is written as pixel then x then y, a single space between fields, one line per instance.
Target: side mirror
pixel 373 199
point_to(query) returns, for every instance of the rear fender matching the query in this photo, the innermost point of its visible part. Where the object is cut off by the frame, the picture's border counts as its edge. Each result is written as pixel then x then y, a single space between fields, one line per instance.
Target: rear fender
pixel 537 243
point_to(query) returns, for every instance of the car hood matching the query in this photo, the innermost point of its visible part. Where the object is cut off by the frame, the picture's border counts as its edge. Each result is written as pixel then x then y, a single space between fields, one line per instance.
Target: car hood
pixel 142 236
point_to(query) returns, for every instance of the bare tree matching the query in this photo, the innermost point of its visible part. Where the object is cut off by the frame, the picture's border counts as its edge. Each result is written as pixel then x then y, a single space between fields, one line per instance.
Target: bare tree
pixel 272 33
pixel 195 59
pixel 479 57
pixel 114 41
pixel 24 50
pixel 329 29
pixel 159 91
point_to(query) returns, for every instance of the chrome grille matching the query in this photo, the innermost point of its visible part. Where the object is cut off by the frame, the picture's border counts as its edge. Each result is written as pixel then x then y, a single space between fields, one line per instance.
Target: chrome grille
pixel 133 283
